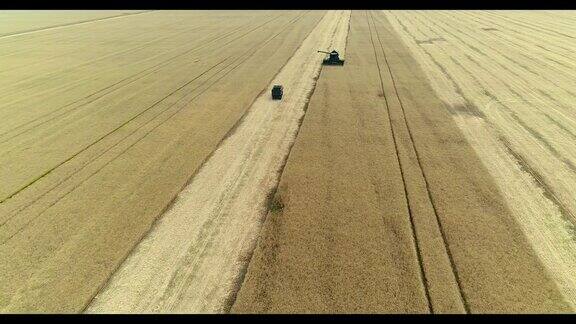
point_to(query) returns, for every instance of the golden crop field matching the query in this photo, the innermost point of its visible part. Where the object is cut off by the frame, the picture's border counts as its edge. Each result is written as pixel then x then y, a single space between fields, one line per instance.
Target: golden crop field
pixel 144 167
pixel 406 218
pixel 102 125
pixel 17 22
pixel 507 79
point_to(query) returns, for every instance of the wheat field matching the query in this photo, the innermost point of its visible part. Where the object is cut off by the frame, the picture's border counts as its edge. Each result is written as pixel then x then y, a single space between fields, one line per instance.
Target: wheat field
pixel 144 167
pixel 383 191
pixel 507 78
pixel 103 123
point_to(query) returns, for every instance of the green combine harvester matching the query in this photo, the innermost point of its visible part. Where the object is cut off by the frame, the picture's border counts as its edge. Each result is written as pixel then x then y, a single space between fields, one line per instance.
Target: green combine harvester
pixel 332 59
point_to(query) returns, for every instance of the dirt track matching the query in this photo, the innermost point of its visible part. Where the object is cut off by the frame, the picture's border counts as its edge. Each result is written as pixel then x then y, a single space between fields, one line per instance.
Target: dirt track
pixel 194 257
pixel 387 208
pixel 102 129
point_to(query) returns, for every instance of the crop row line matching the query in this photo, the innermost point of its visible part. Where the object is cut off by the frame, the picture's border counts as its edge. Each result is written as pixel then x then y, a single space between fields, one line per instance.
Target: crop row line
pixel 506 83
pixel 240 59
pixel 498 76
pixel 137 76
pixel 514 62
pixel 45 59
pixel 423 278
pixel 73 23
pixel 427 184
pixel 117 128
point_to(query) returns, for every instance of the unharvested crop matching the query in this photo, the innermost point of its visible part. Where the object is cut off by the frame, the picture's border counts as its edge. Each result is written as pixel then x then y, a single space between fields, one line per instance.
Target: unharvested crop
pixel 194 257
pixel 387 207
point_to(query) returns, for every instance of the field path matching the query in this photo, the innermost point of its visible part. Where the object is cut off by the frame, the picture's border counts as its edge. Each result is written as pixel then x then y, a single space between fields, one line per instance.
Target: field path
pixel 194 257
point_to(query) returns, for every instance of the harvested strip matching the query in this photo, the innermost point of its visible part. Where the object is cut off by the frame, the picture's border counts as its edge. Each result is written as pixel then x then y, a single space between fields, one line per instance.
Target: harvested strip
pixel 520 124
pixel 193 257
pixel 496 265
pixel 340 239
pixel 340 242
pixel 61 248
pixel 445 292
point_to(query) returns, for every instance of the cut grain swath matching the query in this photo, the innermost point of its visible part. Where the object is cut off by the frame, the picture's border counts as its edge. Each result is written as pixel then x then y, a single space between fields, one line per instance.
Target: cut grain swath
pixel 191 261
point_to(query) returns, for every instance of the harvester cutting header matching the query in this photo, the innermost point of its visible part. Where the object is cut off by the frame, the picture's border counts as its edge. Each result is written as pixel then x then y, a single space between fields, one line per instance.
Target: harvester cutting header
pixel 332 59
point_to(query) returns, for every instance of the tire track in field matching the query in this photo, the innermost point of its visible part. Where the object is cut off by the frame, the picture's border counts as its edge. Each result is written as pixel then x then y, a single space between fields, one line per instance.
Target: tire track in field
pixel 555 18
pixel 473 110
pixel 521 50
pixel 260 45
pixel 476 50
pixel 527 89
pixel 87 78
pixel 470 107
pixel 532 27
pixel 154 68
pixel 45 61
pixel 536 108
pixel 553 243
pixel 520 36
pixel 26 32
pixel 225 198
pixel 505 39
pixel 507 81
pixel 61 72
pixel 534 132
pixel 114 130
pixel 444 71
pixel 417 247
pixel 561 20
pixel 137 29
pixel 137 76
pixel 270 200
pixel 548 190
pixel 514 62
pixel 438 222
pixel 427 185
pixel 109 148
pixel 29 45
pixel 554 40
pixel 485 19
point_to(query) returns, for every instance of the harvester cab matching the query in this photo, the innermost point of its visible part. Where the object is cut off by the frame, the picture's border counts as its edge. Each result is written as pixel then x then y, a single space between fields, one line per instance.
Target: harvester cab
pixel 332 59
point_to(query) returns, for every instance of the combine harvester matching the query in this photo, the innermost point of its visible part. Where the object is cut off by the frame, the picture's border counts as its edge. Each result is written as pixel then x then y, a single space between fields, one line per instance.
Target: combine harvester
pixel 332 59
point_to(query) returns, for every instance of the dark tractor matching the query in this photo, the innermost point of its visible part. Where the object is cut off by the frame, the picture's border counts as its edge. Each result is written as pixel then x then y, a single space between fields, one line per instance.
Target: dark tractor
pixel 277 92
pixel 332 59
